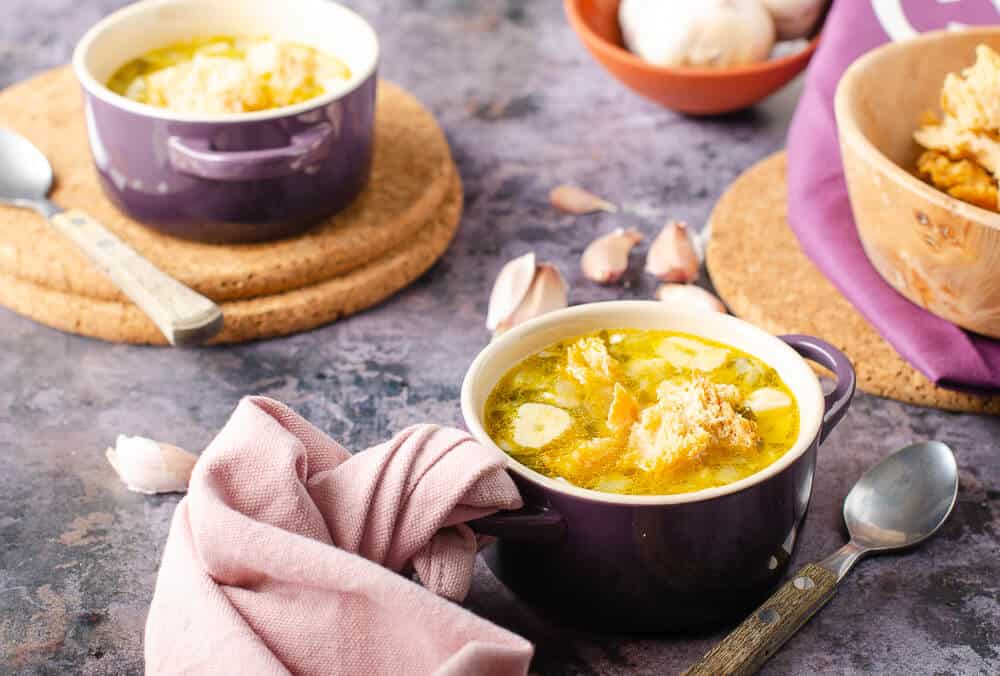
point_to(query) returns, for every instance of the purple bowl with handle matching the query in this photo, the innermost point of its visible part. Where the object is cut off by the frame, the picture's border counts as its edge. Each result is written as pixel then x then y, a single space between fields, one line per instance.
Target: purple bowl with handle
pixel 234 177
pixel 637 563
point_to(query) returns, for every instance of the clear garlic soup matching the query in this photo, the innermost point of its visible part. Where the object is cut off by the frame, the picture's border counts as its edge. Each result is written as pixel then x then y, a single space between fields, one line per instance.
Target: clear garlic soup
pixel 228 74
pixel 643 412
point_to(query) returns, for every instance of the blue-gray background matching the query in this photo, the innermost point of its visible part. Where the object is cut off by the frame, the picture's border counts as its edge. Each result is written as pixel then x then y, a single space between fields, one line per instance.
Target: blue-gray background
pixel 525 109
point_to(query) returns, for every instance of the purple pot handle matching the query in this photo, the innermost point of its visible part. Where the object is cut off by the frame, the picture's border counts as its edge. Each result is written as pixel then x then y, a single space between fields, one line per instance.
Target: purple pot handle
pixel 828 356
pixel 528 524
pixel 196 157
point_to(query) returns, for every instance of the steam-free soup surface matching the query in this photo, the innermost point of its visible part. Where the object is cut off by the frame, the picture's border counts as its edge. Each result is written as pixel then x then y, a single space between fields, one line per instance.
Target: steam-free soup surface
pixel 643 412
pixel 228 74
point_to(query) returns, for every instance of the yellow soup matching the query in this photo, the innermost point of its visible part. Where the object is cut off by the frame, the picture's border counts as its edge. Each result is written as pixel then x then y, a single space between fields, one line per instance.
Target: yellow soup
pixel 226 74
pixel 643 412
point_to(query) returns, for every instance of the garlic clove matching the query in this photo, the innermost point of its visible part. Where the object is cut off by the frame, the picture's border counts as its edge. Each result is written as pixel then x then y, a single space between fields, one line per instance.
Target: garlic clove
pixel 672 256
pixel 574 200
pixel 510 288
pixel 147 466
pixel 605 259
pixel 690 297
pixel 794 18
pixel 548 292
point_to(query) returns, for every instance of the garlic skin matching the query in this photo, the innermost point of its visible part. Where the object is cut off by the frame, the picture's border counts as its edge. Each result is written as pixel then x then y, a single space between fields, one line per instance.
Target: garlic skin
pixel 510 288
pixel 794 19
pixel 524 290
pixel 672 256
pixel 605 259
pixel 574 200
pixel 706 33
pixel 689 297
pixel 147 466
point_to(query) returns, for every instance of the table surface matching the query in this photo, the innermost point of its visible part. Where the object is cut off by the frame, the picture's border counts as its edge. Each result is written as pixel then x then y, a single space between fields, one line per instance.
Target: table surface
pixel 525 109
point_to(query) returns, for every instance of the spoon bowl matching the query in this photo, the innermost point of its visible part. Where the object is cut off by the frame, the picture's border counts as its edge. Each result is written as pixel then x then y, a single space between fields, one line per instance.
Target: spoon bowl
pixel 904 499
pixel 899 502
pixel 25 173
pixel 184 316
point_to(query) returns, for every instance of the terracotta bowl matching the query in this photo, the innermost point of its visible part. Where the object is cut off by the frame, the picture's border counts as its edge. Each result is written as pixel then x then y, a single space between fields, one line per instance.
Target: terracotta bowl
pixel 698 91
pixel 941 253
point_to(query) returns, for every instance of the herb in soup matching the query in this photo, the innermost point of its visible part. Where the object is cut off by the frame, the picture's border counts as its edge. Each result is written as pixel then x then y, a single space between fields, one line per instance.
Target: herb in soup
pixel 643 412
pixel 227 74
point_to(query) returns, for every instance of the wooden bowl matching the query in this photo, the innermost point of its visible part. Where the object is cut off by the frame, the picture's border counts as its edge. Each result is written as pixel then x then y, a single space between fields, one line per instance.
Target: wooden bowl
pixel 940 252
pixel 698 91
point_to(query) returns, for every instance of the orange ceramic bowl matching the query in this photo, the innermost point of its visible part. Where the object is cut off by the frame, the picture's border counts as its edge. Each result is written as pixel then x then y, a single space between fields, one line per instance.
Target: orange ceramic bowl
pixel 698 91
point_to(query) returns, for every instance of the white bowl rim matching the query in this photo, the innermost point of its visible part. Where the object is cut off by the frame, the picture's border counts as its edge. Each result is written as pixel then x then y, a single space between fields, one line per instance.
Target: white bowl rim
pixel 851 134
pixel 99 90
pixel 806 439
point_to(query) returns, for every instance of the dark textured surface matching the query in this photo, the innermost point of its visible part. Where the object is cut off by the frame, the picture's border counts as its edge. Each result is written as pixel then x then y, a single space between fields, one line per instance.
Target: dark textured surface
pixel 525 109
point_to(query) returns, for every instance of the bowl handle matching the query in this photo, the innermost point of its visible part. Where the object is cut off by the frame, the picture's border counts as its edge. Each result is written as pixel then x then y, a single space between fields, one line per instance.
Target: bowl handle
pixel 196 157
pixel 528 524
pixel 828 356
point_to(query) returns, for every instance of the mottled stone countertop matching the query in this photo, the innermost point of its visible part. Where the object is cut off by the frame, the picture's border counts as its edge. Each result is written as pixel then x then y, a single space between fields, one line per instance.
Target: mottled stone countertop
pixel 524 108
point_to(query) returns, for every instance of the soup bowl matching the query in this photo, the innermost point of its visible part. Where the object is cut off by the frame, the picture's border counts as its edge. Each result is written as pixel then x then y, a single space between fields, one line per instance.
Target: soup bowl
pixel 233 177
pixel 655 563
pixel 938 251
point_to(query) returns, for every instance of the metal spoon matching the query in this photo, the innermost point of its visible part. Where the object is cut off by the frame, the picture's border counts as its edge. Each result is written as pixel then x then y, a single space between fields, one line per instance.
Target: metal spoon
pixel 184 316
pixel 898 503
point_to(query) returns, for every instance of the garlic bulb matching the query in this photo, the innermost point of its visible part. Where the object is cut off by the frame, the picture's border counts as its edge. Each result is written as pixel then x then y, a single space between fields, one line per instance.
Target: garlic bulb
pixel 605 260
pixel 689 297
pixel 574 200
pixel 794 18
pixel 523 290
pixel 705 33
pixel 147 466
pixel 767 399
pixel 672 256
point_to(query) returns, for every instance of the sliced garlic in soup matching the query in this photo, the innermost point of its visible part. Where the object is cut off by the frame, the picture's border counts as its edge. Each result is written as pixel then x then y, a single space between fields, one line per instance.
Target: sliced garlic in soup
pixel 767 399
pixel 748 371
pixel 613 483
pixel 690 354
pixel 564 394
pixel 538 425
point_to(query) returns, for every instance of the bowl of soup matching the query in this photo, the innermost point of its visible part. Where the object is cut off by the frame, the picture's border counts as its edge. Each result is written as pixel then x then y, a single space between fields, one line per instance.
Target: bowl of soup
pixel 665 458
pixel 230 120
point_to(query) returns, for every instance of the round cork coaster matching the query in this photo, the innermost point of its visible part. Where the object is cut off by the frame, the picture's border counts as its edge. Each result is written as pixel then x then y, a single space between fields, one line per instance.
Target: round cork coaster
pixel 764 277
pixel 253 318
pixel 411 175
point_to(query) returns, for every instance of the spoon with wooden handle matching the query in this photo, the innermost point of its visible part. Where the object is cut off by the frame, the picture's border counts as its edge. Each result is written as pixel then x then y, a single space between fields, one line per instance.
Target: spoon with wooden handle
pixel 898 503
pixel 182 315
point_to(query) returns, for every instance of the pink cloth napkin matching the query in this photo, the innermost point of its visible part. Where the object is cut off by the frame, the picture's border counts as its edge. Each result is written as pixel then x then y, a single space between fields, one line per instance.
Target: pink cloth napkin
pixel 819 210
pixel 281 557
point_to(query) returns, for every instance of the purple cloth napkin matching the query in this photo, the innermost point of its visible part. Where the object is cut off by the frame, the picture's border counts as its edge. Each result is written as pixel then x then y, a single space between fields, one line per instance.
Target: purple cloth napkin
pixel 819 211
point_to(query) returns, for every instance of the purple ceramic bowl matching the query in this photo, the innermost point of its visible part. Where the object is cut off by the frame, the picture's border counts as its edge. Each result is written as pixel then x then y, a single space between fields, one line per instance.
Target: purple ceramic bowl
pixel 657 563
pixel 236 177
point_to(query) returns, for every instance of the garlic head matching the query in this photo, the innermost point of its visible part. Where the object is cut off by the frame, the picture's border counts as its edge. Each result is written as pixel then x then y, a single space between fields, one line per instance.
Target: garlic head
pixel 706 33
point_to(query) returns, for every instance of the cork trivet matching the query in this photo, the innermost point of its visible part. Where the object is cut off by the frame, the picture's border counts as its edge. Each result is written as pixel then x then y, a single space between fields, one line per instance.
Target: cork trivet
pixel 411 173
pixel 250 319
pixel 764 277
